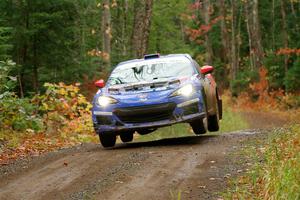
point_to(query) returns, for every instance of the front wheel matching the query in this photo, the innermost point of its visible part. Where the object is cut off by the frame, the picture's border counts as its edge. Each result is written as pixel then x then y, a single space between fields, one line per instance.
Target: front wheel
pixel 107 140
pixel 198 126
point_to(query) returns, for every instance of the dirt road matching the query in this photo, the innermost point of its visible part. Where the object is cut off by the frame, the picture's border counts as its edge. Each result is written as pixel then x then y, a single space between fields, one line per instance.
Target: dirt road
pixel 194 167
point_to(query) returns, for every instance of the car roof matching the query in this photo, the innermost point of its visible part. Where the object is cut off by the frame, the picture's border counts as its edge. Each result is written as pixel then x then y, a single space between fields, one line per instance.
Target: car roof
pixel 160 56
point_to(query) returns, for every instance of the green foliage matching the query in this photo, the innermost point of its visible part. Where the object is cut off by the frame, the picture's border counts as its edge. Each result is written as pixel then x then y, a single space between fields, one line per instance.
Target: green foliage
pixel 282 168
pixel 50 40
pixel 19 114
pixel 7 82
pixel 61 105
pixel 167 34
pixel 45 40
pixel 275 66
pixel 63 99
pixel 242 81
pixel 292 79
pixel 5 46
pixel 60 108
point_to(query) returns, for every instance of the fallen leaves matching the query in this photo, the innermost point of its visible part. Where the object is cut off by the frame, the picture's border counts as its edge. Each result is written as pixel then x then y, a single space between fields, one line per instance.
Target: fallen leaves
pixel 35 145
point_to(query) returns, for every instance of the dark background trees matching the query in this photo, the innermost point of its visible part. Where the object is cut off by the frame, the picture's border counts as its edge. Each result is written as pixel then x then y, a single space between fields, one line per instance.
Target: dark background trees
pixel 80 40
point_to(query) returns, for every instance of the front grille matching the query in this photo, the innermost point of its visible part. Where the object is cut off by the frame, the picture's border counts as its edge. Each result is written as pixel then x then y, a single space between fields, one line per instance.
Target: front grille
pixel 150 113
pixel 103 120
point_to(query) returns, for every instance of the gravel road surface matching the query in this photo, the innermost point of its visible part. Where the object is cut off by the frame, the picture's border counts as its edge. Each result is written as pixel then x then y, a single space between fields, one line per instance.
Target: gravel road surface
pixel 195 167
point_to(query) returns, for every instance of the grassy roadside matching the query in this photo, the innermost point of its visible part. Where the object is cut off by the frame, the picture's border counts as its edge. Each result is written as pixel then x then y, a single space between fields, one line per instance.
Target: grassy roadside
pixel 276 172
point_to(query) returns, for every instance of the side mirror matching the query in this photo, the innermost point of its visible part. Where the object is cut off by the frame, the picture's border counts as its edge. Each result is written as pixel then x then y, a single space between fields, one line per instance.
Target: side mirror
pixel 206 69
pixel 100 83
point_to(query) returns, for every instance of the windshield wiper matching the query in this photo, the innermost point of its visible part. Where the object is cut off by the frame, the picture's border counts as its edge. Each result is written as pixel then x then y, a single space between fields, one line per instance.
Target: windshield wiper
pixel 155 78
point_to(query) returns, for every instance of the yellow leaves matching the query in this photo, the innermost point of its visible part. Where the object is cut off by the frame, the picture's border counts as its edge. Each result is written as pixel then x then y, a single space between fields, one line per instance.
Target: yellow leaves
pixel 66 115
pixel 45 106
pixel 114 4
pixel 62 91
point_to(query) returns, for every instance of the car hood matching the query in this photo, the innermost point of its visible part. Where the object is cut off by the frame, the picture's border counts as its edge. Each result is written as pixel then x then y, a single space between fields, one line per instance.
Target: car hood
pixel 144 93
pixel 144 86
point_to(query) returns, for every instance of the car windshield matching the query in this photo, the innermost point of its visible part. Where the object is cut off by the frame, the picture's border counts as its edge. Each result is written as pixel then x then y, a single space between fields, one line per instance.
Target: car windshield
pixel 150 70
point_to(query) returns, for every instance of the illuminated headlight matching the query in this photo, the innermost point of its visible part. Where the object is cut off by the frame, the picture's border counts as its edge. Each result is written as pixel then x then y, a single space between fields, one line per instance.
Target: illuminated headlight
pixel 105 101
pixel 186 91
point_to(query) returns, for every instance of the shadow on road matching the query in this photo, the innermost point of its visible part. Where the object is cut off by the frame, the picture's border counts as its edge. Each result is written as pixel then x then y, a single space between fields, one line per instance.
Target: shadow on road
pixel 181 141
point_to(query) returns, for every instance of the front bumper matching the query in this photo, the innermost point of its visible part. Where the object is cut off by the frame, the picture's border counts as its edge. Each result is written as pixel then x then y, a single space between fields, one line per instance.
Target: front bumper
pixel 150 116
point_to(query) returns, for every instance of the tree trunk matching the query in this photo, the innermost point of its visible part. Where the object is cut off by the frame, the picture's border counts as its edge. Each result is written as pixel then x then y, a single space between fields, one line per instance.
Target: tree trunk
pixel 256 49
pixel 141 27
pixel 257 33
pixel 124 28
pixel 273 25
pixel 234 59
pixel 23 48
pixel 224 33
pixel 208 47
pixel 294 12
pixel 285 34
pixel 35 68
pixel 106 33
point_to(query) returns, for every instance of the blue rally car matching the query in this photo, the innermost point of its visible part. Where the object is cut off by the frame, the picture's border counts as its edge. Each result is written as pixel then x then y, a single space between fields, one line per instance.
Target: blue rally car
pixel 145 94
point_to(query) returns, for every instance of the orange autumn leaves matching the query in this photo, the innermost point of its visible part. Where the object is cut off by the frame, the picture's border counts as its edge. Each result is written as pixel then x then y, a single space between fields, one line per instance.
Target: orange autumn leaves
pixel 66 118
pixel 261 97
pixel 288 51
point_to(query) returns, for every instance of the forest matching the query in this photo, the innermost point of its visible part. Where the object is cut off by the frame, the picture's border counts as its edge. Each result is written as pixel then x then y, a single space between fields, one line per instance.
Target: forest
pixel 81 40
pixel 52 52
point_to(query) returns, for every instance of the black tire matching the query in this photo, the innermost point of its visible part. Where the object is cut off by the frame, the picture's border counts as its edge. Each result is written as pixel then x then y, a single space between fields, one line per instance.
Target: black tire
pixel 126 137
pixel 198 127
pixel 108 139
pixel 213 120
pixel 213 123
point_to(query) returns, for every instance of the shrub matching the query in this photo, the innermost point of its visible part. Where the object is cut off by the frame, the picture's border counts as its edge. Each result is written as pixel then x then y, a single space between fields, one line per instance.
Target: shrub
pixel 64 99
pixel 19 114
pixel 242 81
pixel 275 66
pixel 7 82
pixel 61 104
pixel 292 79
